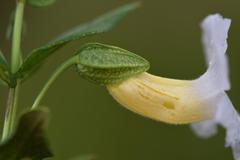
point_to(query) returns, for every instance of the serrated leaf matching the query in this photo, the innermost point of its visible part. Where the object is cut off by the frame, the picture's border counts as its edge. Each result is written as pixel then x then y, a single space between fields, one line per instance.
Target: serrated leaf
pixel 102 24
pixel 105 64
pixel 40 3
pixel 29 141
pixel 4 69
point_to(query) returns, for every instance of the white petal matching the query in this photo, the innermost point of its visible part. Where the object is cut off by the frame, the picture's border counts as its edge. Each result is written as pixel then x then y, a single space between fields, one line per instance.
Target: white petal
pixel 205 129
pixel 229 118
pixel 216 79
pixel 215 32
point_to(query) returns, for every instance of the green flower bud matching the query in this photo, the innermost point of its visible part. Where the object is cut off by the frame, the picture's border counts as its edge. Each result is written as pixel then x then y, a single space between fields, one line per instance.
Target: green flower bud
pixel 105 64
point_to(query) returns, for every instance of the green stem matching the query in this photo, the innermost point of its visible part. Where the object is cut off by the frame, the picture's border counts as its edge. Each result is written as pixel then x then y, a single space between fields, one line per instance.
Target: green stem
pixel 8 112
pixel 14 106
pixel 16 57
pixel 52 79
pixel 17 32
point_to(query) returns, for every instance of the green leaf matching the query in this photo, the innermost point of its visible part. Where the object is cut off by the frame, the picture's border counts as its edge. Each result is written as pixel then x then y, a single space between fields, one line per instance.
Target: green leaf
pixel 29 141
pixel 105 64
pixel 102 24
pixel 40 3
pixel 4 69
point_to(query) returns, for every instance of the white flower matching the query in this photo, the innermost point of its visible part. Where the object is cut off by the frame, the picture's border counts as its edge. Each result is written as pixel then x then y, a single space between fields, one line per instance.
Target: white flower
pixel 202 100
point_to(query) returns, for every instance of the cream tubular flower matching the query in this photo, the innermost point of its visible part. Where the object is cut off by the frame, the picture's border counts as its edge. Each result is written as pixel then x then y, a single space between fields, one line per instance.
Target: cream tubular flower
pixel 189 101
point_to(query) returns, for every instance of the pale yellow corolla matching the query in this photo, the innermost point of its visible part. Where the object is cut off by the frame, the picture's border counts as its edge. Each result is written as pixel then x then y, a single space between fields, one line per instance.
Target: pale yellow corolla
pixel 163 99
pixel 202 100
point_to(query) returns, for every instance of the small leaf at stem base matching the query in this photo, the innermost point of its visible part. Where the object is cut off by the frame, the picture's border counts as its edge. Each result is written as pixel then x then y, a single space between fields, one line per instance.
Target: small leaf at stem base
pixel 29 141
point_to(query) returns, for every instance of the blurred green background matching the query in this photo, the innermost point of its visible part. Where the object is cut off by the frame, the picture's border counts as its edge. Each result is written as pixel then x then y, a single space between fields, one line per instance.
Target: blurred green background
pixel 84 118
